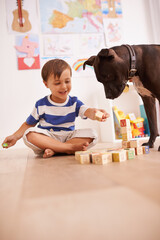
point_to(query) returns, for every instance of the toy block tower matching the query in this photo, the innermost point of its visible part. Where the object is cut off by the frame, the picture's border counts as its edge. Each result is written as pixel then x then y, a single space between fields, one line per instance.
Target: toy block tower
pixel 125 130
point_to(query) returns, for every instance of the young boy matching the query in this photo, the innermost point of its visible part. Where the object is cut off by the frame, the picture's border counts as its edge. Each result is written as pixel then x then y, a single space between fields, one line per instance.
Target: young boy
pixel 55 115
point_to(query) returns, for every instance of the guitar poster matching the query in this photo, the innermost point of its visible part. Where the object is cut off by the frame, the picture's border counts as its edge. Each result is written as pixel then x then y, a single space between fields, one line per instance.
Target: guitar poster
pixel 22 16
pixel 27 48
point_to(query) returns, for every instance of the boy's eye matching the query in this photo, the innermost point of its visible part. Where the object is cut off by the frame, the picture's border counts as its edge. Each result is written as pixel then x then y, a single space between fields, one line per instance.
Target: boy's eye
pixel 67 81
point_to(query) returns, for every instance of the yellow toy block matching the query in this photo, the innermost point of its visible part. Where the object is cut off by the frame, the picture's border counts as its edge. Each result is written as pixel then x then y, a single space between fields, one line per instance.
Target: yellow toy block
pixel 134 143
pixel 101 158
pixel 119 156
pixel 99 115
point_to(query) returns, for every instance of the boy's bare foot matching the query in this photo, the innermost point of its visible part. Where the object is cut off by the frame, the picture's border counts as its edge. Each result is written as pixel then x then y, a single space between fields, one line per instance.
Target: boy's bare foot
pixel 48 153
pixel 76 147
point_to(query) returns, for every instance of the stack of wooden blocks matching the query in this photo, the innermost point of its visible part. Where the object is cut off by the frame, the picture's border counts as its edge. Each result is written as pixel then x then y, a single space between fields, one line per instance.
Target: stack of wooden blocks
pixel 127 142
pixel 129 149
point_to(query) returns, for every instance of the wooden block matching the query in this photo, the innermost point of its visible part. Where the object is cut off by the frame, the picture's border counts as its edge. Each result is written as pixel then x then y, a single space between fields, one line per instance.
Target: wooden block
pixel 125 144
pixel 125 123
pixel 134 143
pixel 139 150
pixel 119 156
pixel 130 153
pixel 101 158
pixel 78 153
pixel 126 136
pixel 99 115
pixel 84 158
pixel 145 149
pixel 125 129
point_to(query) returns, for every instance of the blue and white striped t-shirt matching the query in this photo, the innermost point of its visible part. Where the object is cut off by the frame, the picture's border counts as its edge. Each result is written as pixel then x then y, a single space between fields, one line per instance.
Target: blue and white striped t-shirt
pixel 57 116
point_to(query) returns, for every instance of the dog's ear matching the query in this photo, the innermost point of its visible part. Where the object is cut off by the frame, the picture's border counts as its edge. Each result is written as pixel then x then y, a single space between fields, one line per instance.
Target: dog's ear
pixel 89 62
pixel 107 53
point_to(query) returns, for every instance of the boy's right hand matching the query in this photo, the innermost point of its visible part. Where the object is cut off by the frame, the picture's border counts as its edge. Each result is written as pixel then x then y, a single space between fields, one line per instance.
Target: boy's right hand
pixel 9 141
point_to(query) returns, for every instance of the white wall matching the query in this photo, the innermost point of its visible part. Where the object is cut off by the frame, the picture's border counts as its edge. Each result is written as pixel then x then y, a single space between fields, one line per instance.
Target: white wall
pixel 20 89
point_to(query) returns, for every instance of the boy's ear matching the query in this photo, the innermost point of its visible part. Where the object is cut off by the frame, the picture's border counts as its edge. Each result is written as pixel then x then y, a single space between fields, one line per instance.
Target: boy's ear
pixel 45 83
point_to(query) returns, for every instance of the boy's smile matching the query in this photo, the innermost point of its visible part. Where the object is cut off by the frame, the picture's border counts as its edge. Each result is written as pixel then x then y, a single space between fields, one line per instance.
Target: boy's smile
pixel 59 87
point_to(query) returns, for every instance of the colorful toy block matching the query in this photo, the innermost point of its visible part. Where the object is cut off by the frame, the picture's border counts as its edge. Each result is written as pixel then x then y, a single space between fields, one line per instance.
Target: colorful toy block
pixel 125 123
pixel 119 156
pixel 145 149
pixel 130 153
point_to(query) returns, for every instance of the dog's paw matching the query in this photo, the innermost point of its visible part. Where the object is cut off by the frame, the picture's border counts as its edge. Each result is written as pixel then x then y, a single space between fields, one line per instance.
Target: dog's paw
pixel 151 145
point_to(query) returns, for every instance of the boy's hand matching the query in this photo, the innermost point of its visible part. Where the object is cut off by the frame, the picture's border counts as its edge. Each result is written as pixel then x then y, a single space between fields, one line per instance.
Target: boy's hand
pixel 101 115
pixel 9 141
pixel 92 112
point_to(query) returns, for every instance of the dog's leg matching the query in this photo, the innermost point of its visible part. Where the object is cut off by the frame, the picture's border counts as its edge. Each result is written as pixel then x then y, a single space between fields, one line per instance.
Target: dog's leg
pixel 150 108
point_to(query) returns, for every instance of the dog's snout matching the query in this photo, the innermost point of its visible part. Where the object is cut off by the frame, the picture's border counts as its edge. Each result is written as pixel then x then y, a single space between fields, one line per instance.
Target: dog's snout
pixel 109 93
pixel 113 92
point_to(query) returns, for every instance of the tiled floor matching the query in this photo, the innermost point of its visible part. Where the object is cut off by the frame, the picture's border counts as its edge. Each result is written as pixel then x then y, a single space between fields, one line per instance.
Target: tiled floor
pixel 57 198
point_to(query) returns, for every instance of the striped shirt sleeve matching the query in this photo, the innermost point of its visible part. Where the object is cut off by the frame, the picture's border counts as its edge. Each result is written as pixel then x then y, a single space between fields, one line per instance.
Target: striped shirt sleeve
pixel 81 108
pixel 33 117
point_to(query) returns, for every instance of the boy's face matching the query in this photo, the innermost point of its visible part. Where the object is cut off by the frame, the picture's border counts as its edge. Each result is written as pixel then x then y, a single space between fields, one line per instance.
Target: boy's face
pixel 59 87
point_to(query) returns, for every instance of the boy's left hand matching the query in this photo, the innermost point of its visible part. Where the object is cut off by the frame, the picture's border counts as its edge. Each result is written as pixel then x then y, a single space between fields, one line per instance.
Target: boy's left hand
pixel 104 116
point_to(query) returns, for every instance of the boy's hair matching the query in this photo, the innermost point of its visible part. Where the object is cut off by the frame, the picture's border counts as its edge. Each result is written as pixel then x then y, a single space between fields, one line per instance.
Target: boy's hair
pixel 55 67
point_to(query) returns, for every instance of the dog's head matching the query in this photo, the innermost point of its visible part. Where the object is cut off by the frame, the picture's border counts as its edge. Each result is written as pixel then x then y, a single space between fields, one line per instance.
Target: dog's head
pixel 110 70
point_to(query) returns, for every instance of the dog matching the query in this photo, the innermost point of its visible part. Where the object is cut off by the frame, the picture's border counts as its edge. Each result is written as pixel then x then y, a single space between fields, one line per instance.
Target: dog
pixel 138 63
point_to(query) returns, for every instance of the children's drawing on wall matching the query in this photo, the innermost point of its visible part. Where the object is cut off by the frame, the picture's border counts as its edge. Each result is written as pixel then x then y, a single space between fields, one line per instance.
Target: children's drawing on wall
pixel 28 52
pixel 78 64
pixel 111 8
pixel 90 44
pixel 77 68
pixel 74 16
pixel 59 45
pixel 113 31
pixel 22 16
